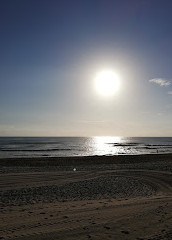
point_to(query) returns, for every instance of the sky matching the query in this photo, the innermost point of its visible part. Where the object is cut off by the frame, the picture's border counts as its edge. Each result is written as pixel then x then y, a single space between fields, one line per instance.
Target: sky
pixel 51 51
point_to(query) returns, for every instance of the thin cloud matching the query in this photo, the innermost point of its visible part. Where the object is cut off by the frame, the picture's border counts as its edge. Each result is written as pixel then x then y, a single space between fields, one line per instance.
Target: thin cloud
pixel 170 92
pixel 160 81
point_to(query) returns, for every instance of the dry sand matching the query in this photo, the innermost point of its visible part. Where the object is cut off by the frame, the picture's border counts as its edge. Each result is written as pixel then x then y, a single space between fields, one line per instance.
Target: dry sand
pixel 120 197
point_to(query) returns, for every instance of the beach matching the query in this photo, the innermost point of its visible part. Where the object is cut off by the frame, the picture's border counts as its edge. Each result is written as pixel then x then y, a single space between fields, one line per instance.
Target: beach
pixel 107 197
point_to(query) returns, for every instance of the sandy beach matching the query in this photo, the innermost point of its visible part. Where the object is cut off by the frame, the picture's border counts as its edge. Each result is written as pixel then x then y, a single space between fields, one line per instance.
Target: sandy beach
pixel 107 197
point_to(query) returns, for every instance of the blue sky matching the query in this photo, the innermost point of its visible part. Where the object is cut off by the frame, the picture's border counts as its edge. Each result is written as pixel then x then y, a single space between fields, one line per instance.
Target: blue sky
pixel 50 51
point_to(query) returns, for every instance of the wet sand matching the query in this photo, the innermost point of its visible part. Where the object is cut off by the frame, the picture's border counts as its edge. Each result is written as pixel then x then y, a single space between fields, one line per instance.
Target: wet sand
pixel 118 197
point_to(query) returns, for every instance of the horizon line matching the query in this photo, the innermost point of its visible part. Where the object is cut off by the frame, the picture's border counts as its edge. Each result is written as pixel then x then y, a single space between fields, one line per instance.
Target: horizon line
pixel 86 136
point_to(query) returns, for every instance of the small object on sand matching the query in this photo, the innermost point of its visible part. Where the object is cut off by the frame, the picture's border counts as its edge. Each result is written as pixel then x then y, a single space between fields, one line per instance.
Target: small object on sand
pixel 74 169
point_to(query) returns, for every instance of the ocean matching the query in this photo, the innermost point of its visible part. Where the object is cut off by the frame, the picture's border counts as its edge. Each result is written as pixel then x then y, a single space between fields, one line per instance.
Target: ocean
pixel 16 147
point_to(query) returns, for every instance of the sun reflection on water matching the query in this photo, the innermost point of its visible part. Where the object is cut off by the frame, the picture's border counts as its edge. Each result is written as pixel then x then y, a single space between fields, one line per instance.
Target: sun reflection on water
pixel 103 145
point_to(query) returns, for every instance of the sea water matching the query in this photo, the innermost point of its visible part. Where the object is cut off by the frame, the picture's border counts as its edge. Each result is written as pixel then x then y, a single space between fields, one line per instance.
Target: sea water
pixel 11 147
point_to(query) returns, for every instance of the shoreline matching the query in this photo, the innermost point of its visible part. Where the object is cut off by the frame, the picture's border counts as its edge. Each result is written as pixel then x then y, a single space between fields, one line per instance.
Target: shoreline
pixel 95 159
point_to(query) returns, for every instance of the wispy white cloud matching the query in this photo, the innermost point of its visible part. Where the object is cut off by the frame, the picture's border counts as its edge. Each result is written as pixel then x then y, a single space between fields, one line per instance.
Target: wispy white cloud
pixel 170 92
pixel 160 81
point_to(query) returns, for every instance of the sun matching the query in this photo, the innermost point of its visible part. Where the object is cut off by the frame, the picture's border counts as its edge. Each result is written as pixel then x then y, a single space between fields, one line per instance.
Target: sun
pixel 107 82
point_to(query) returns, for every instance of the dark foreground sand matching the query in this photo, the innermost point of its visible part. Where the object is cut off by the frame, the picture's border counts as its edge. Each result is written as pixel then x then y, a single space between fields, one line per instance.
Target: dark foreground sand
pixel 120 197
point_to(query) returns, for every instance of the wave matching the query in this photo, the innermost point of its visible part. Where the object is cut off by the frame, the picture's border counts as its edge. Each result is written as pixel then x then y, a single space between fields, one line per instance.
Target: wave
pixel 159 145
pixel 140 145
pixel 124 144
pixel 36 150
pixel 31 143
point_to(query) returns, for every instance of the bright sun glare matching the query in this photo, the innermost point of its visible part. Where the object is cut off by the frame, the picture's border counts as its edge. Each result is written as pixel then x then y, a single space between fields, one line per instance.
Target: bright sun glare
pixel 107 82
